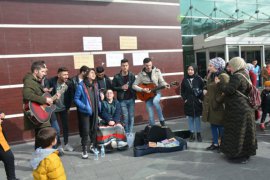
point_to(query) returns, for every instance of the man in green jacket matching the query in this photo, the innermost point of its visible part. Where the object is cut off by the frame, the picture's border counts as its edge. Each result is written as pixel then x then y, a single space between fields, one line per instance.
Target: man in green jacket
pixel 33 91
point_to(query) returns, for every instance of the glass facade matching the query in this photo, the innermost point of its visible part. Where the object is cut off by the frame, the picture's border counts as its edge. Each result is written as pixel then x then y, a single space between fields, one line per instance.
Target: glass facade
pixel 207 16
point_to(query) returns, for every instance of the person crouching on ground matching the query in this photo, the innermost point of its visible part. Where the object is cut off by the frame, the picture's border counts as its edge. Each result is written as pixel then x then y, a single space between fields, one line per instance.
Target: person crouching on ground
pixel 46 162
pixel 265 104
pixel 6 154
pixel 110 115
pixel 192 94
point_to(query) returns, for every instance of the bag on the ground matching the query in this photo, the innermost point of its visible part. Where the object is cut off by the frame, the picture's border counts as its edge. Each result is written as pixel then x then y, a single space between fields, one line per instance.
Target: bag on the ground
pixel 254 96
pixel 145 149
pixel 154 135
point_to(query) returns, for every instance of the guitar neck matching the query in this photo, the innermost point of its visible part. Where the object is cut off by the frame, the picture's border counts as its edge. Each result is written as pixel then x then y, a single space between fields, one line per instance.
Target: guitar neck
pixel 61 91
pixel 158 88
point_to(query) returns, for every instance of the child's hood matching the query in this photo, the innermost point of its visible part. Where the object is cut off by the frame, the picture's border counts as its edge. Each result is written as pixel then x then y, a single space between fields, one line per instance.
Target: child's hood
pixel 39 155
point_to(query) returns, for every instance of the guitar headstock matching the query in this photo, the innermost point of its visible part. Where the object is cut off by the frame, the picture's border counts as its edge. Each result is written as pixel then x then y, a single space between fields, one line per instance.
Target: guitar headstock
pixel 64 87
pixel 174 83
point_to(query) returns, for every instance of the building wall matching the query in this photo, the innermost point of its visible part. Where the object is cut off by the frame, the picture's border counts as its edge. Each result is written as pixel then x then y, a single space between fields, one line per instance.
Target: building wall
pixel 53 30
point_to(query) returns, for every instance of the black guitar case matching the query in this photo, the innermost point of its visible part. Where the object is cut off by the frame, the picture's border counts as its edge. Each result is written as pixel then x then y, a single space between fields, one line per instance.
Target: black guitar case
pixel 155 134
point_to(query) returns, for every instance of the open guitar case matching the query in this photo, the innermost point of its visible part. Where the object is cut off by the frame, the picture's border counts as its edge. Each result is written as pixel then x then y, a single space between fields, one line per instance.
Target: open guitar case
pixel 156 134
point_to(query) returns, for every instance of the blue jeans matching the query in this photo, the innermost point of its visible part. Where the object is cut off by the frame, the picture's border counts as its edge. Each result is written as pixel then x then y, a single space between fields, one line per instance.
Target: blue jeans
pixel 149 107
pixel 217 131
pixel 197 121
pixel 127 107
pixel 64 118
pixel 55 125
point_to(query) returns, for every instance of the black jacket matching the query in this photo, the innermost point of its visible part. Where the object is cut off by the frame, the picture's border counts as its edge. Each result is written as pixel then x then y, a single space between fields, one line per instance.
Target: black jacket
pixel 107 81
pixel 68 95
pixel 265 104
pixel 192 94
pixel 118 82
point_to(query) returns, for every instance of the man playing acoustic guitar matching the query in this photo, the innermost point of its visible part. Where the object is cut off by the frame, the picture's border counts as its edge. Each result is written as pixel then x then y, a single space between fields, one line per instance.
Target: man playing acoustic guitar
pixel 151 75
pixel 33 91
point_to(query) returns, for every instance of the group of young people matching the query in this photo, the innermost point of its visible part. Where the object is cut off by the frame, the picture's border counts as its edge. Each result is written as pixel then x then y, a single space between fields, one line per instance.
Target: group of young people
pixel 221 100
pixel 92 92
pixel 216 100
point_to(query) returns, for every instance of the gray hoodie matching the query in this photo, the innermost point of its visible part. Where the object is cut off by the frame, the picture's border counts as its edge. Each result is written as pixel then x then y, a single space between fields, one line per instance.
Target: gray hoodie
pixel 39 155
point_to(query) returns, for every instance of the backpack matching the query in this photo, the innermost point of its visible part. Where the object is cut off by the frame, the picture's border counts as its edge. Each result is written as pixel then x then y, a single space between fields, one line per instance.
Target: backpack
pixel 254 96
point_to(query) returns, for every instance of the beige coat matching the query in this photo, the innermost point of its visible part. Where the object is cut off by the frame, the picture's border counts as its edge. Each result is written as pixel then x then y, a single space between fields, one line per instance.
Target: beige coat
pixel 143 78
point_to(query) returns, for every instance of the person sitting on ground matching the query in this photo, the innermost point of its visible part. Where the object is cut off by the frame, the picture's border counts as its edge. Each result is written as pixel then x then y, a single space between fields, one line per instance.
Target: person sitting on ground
pixel 111 129
pixel 46 162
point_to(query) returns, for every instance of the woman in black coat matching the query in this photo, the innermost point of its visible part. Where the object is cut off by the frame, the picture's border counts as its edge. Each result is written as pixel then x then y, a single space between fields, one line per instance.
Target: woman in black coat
pixel 192 94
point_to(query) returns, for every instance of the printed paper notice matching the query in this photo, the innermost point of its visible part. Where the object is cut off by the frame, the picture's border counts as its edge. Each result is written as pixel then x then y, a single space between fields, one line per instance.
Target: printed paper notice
pixel 92 43
pixel 114 59
pixel 138 58
pixel 83 59
pixel 128 42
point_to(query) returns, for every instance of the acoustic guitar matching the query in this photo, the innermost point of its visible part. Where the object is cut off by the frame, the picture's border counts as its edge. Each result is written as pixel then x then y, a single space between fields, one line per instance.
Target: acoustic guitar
pixel 41 113
pixel 143 96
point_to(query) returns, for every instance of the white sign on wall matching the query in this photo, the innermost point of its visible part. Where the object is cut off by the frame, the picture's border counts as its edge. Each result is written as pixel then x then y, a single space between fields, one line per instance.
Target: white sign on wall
pixel 114 59
pixel 138 58
pixel 92 43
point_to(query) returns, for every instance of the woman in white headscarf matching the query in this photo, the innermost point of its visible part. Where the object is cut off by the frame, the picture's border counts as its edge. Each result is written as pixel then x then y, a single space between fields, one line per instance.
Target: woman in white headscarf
pixel 239 138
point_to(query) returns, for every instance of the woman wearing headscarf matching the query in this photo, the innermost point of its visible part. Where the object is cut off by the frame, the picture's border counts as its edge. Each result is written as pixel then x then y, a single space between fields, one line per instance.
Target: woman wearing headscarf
pixel 192 94
pixel 213 107
pixel 239 139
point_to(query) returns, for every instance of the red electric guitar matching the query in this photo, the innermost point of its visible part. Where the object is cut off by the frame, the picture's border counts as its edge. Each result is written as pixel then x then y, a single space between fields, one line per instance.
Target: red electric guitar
pixel 41 113
pixel 143 96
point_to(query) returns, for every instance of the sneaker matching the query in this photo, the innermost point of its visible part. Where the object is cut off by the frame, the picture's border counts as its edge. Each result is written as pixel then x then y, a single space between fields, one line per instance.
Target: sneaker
pixel 121 144
pixel 162 123
pixel 84 154
pixel 60 151
pixel 262 126
pixel 68 148
pixel 192 137
pixel 92 149
pixel 199 137
pixel 212 148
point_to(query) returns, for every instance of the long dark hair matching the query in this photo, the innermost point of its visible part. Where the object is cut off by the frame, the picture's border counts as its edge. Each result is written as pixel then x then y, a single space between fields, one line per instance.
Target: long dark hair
pixel 85 77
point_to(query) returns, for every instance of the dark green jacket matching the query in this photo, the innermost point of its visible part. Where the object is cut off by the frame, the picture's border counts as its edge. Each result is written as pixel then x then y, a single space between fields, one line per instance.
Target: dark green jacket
pixel 118 82
pixel 32 91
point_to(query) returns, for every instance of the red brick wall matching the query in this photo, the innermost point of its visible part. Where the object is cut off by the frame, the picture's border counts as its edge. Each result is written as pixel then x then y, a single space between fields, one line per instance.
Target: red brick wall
pixel 23 42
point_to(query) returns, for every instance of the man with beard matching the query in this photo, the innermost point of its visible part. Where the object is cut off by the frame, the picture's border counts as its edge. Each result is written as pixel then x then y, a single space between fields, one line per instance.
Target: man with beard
pixel 33 91
pixel 62 105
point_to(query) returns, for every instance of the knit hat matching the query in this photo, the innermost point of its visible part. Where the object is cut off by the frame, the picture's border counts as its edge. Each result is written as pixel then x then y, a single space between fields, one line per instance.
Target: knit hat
pixel 250 67
pixel 237 63
pixel 267 83
pixel 218 63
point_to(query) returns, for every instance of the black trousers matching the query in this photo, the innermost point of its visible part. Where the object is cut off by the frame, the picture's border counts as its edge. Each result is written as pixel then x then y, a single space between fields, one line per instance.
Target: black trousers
pixel 8 159
pixel 87 123
pixel 79 122
pixel 264 114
